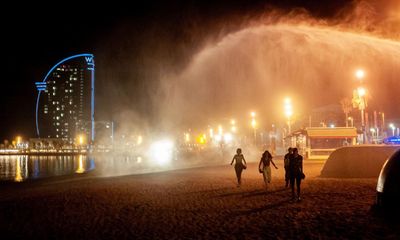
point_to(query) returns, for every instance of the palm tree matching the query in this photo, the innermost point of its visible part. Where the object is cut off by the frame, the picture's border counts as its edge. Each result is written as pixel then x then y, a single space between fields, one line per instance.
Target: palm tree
pixel 347 106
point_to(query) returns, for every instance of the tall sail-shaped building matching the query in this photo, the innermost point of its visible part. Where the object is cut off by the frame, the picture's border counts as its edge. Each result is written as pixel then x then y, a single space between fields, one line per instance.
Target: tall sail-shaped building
pixel 65 102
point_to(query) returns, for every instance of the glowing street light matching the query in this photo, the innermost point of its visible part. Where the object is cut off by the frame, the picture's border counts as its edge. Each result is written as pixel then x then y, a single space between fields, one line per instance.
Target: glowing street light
pixel 360 74
pixel 288 112
pixel 233 127
pixel 253 124
pixel 19 140
pixel 361 91
pixel 359 100
pixel 80 140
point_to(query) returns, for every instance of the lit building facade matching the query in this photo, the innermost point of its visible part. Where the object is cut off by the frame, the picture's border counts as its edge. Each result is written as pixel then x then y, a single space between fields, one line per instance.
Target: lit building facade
pixel 65 102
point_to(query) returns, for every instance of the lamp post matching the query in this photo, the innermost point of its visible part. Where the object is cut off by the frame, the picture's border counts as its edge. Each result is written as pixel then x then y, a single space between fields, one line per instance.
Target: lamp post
pixel 360 101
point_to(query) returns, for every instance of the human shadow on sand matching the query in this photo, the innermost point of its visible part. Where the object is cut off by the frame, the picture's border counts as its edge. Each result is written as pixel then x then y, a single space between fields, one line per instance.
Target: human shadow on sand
pixel 252 193
pixel 261 209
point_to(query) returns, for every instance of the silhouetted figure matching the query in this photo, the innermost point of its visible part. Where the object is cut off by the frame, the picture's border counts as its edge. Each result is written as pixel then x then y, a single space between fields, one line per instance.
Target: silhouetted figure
pixel 265 161
pixel 239 166
pixel 286 165
pixel 295 172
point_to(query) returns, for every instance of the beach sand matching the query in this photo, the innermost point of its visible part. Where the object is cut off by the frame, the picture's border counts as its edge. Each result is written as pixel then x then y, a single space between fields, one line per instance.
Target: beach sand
pixel 193 203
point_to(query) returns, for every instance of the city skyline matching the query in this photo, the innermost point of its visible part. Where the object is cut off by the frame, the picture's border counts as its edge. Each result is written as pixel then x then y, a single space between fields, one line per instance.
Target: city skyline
pixel 128 56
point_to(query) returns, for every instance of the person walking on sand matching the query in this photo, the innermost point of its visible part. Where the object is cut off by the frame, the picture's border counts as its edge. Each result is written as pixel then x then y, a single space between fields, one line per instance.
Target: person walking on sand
pixel 239 166
pixel 296 173
pixel 265 161
pixel 286 165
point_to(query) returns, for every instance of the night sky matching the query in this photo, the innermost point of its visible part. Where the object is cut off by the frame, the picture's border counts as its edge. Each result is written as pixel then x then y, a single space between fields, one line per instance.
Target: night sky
pixel 130 43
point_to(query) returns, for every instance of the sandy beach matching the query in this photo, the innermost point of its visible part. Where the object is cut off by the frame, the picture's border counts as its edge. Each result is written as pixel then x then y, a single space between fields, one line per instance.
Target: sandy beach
pixel 201 203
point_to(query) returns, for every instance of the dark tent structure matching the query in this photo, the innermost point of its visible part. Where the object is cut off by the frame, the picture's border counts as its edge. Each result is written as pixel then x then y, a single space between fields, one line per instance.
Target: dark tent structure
pixel 388 187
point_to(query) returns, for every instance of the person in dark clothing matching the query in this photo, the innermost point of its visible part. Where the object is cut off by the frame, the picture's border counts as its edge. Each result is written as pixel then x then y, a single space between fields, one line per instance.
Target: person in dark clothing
pixel 239 166
pixel 265 161
pixel 295 172
pixel 286 165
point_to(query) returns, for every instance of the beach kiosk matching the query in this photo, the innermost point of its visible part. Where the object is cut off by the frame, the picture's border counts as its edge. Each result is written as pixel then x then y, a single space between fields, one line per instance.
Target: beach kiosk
pixel 322 141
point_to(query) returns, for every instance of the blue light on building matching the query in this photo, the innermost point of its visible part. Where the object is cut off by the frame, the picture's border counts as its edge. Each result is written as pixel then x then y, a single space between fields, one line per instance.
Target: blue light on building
pixel 65 101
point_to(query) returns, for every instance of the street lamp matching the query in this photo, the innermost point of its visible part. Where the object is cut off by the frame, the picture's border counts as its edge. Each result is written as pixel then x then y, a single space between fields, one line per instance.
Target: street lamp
pixel 359 100
pixel 360 74
pixel 288 112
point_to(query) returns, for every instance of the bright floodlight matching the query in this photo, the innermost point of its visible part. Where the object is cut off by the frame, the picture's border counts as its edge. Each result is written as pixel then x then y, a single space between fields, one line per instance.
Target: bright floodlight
pixel 218 138
pixel 360 74
pixel 253 114
pixel 161 151
pixel 392 126
pixel 372 130
pixel 228 137
pixel 332 125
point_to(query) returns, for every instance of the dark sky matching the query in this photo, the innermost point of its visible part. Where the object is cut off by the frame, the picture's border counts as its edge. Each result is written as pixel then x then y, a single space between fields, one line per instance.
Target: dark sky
pixel 129 42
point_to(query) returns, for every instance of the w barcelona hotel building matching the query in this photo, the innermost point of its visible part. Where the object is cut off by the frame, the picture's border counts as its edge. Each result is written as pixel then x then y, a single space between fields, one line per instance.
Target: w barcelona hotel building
pixel 65 101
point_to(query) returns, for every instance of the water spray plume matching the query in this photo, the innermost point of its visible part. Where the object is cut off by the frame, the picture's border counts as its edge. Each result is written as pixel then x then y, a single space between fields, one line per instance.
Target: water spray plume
pixel 253 66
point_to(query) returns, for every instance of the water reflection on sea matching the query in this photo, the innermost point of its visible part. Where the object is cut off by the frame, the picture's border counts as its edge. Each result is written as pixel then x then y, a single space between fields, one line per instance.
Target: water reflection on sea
pixel 19 168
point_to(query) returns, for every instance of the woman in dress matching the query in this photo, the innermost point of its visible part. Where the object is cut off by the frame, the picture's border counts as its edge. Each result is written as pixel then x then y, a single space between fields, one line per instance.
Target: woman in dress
pixel 265 169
